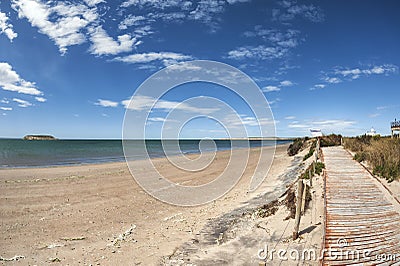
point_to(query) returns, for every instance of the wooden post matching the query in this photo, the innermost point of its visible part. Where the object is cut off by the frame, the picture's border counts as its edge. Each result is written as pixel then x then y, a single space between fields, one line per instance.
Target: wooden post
pixel 311 174
pixel 303 199
pixel 298 209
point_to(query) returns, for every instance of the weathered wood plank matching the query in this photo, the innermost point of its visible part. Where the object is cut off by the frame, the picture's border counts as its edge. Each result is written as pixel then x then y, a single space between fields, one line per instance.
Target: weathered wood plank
pixel 359 219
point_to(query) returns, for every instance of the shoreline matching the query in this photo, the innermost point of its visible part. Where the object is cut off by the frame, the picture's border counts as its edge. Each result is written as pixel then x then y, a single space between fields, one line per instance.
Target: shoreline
pixel 122 160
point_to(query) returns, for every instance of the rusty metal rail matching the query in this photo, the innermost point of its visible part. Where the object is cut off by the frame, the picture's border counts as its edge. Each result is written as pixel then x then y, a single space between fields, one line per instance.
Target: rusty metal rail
pixel 362 227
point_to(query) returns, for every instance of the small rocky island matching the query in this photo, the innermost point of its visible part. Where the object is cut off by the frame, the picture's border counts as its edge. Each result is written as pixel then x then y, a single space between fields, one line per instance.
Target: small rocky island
pixel 39 137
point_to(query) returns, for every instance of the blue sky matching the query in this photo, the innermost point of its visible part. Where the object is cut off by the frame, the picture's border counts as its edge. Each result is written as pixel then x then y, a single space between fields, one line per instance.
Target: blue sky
pixel 68 67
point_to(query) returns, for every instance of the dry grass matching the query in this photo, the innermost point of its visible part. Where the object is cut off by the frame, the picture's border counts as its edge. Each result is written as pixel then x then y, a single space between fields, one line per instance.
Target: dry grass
pixel 383 154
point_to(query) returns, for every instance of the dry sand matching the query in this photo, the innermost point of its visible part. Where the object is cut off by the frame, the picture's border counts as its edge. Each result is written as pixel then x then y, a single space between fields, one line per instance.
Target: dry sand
pixel 97 214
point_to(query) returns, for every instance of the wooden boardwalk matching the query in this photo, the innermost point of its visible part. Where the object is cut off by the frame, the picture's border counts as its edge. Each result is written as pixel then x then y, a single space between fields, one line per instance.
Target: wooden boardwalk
pixel 362 225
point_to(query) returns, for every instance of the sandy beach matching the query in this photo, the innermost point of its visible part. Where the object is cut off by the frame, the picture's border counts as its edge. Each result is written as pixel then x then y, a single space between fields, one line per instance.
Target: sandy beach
pixel 97 214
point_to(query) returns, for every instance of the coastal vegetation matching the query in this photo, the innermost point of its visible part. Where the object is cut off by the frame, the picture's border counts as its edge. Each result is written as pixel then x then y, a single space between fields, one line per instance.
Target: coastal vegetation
pixel 311 151
pixel 331 140
pixel 318 170
pixel 381 153
pixel 302 143
pixel 296 146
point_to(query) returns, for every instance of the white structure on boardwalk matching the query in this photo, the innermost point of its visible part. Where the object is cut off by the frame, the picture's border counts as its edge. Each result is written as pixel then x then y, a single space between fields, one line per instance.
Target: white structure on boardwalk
pixel 316 132
pixel 371 132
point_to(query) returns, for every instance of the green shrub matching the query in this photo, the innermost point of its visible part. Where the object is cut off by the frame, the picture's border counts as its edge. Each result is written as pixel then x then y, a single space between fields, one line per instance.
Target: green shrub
pixel 318 167
pixel 331 140
pixel 311 151
pixel 295 147
pixel 318 170
pixel 360 156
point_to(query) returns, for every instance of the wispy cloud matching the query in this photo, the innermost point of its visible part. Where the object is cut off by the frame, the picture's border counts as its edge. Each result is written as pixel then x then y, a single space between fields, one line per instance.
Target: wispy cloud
pixel 290 9
pixel 106 103
pixel 332 80
pixel 11 81
pixel 6 108
pixel 139 103
pixel 92 3
pixel 40 99
pixel 374 115
pixel 277 44
pixel 131 20
pixel 286 83
pixel 381 109
pixel 22 103
pixel 327 126
pixel 341 74
pixel 261 52
pixel 318 86
pixel 385 107
pixel 204 11
pixel 271 88
pixel 6 27
pixel 166 57
pixel 291 117
pixel 355 73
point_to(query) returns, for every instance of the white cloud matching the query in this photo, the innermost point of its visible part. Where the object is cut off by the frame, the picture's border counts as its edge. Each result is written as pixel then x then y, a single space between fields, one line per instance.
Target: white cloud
pixel 340 74
pixel 278 44
pixel 332 80
pixel 204 11
pixel 156 119
pixel 130 20
pixel 62 22
pixel 260 52
pixel 288 38
pixel 40 99
pixel 93 2
pixel 271 88
pixel 4 100
pixel 291 117
pixel 232 120
pixel 237 1
pixel 103 44
pixel 6 108
pixel 327 126
pixel 374 115
pixel 182 66
pixel 149 57
pixel 106 103
pixel 290 10
pixel 6 27
pixel 11 81
pixel 152 3
pixel 356 73
pixel 318 86
pixel 139 103
pixel 22 103
pixel 385 107
pixel 286 83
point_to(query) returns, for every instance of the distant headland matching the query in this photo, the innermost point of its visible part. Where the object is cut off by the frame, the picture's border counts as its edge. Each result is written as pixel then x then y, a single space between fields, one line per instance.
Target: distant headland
pixel 39 137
